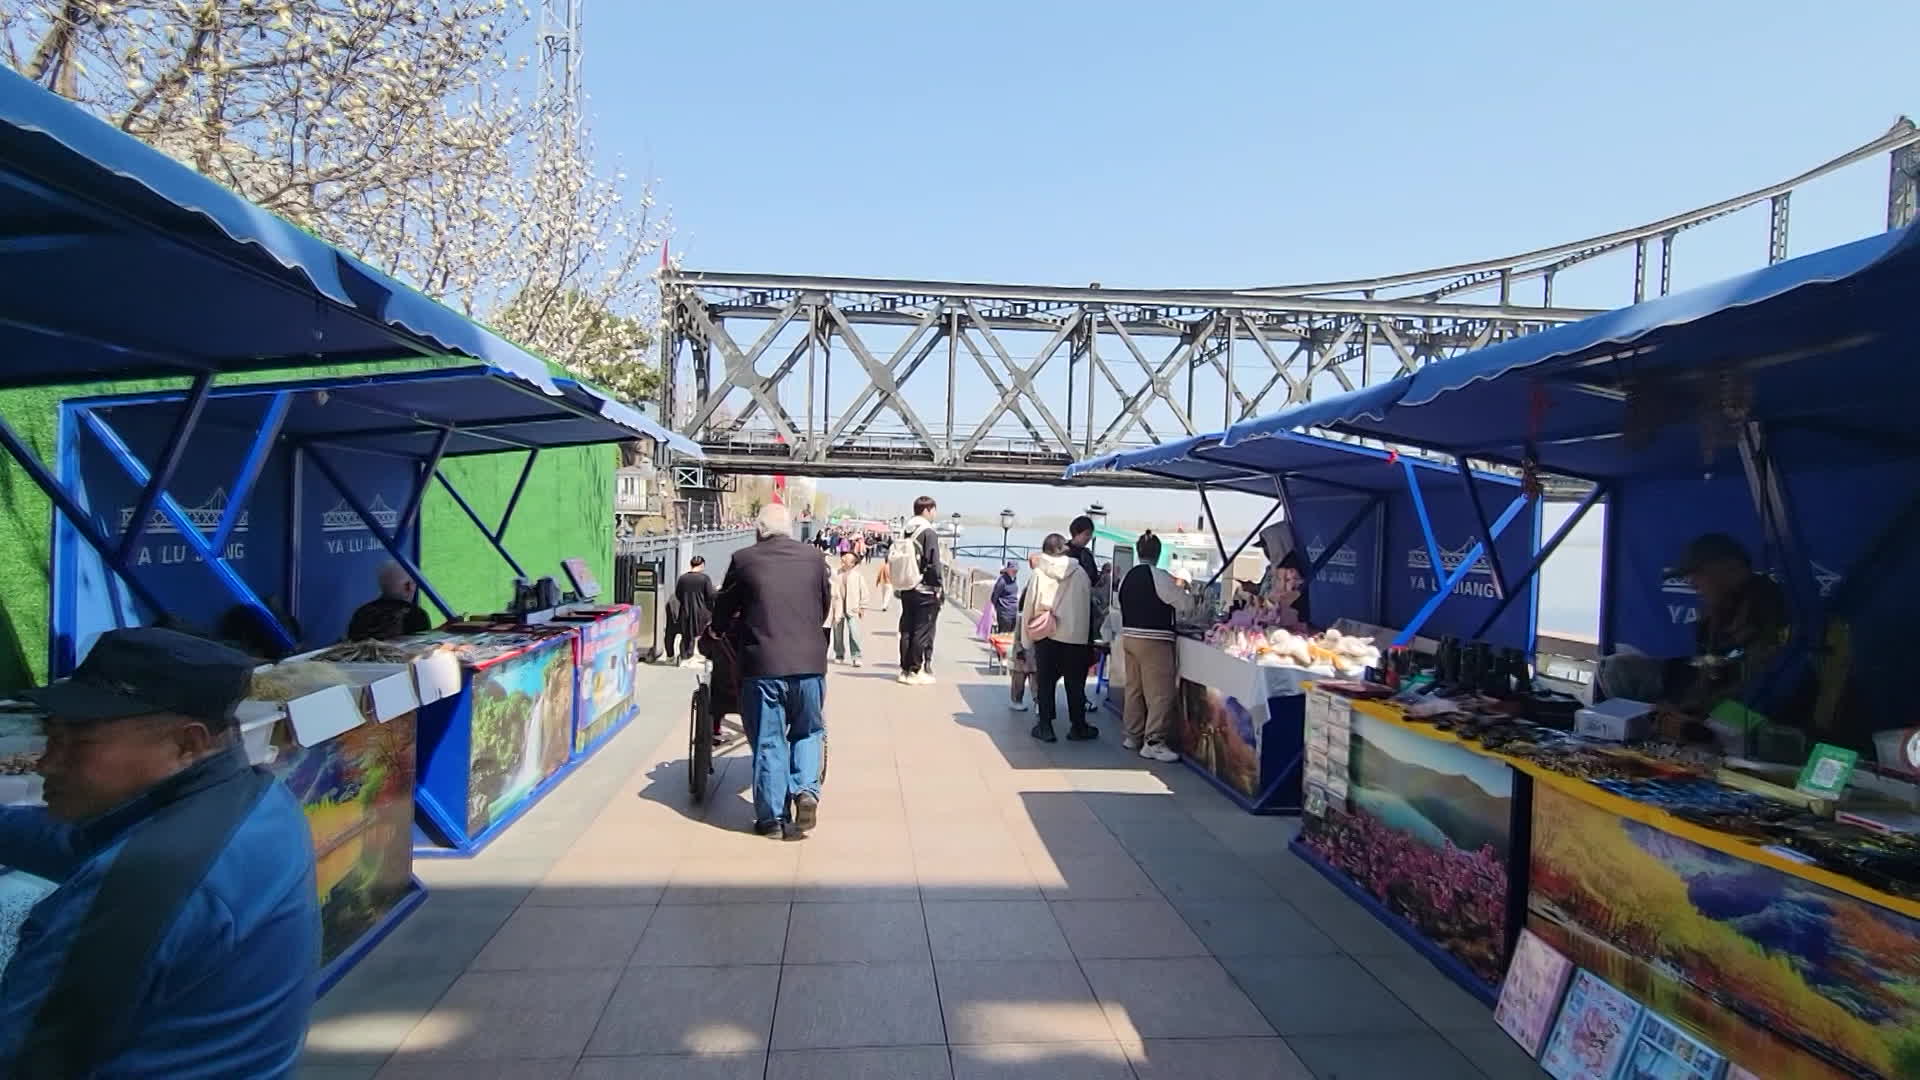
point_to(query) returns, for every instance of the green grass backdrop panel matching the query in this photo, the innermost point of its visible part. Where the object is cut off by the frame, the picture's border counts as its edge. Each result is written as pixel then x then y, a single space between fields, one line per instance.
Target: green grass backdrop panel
pixel 567 510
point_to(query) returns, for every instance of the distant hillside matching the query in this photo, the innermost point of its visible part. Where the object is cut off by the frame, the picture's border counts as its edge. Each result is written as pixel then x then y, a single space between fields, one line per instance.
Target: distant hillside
pixel 1460 808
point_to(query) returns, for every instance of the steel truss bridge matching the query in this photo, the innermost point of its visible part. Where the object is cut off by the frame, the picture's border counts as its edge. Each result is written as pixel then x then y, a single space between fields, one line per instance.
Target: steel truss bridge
pixel 860 377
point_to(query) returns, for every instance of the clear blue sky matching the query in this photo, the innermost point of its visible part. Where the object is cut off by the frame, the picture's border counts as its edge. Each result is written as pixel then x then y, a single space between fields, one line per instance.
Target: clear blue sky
pixel 1231 144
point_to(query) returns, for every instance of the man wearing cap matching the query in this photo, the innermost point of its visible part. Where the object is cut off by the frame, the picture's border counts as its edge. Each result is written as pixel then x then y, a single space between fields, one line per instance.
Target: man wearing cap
pixel 184 934
pixel 1743 619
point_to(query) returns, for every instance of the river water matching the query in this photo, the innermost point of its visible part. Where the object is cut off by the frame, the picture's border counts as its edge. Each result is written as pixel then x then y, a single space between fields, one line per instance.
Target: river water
pixel 1569 582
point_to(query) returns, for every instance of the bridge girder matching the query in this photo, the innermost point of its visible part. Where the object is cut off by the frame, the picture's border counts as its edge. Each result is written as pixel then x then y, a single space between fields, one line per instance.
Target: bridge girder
pixel 1129 360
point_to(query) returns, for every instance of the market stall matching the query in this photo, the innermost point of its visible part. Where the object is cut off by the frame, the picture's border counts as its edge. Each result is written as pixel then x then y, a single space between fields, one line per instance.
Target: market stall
pixel 255 513
pixel 328 490
pixel 1743 877
pixel 1389 540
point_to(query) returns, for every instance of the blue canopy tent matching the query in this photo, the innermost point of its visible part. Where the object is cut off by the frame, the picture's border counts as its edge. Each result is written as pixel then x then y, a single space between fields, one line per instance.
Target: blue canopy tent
pixel 1361 514
pixel 1776 406
pixel 348 462
pixel 117 262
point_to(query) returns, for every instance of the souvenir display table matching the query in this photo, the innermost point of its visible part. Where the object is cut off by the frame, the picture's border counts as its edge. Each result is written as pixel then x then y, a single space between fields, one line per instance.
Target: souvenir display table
pixel 1239 725
pixel 346 751
pixel 499 735
pixel 605 652
pixel 1788 941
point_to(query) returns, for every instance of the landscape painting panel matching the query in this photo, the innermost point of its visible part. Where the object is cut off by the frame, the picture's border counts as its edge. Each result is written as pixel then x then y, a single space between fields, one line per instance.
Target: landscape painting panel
pixel 522 729
pixel 1427 829
pixel 356 790
pixel 1730 948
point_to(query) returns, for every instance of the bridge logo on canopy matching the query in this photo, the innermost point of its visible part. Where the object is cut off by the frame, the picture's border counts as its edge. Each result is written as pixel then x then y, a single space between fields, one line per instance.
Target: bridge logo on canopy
pixel 1425 579
pixel 1684 607
pixel 342 518
pixel 205 517
pixel 1341 567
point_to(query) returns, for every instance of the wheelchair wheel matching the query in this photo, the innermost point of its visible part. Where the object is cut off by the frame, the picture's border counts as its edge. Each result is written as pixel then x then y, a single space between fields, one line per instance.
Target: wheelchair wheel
pixel 699 745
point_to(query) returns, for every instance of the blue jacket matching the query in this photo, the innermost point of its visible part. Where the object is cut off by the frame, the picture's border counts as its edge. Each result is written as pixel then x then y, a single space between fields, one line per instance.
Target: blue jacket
pixel 1006 597
pixel 228 991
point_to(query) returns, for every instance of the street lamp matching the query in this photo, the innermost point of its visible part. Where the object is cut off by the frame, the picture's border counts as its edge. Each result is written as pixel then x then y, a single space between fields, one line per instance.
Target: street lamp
pixel 957 528
pixel 1006 526
pixel 1099 515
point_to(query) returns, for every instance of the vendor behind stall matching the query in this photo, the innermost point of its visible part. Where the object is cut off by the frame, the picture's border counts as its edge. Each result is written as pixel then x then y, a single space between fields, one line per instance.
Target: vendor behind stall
pixel 1285 583
pixel 393 614
pixel 1743 622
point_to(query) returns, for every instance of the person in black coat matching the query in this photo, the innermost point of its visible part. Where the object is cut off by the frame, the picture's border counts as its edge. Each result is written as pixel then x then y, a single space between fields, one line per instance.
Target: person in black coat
pixel 695 594
pixel 774 606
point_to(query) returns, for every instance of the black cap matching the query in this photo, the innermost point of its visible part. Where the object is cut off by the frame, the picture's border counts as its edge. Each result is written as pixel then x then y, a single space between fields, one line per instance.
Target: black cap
pixel 150 670
pixel 1710 548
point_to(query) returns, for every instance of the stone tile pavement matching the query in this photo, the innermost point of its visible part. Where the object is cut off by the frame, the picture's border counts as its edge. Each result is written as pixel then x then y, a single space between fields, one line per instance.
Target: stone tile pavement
pixel 974 905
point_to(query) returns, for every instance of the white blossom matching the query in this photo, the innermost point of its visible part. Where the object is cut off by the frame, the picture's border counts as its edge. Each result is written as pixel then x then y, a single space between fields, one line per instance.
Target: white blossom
pixel 385 127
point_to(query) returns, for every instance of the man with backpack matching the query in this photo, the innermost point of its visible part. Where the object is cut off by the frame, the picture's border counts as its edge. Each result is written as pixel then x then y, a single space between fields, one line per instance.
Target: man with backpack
pixel 914 567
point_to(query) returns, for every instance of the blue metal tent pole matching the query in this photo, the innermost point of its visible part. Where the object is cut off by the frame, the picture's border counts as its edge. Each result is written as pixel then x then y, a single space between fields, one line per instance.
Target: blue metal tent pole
pixel 1776 517
pixel 1466 565
pixel 295 543
pixel 1248 539
pixel 1213 524
pixel 1610 548
pixel 474 517
pixel 1539 560
pixel 250 467
pixel 76 515
pixel 513 500
pixel 1480 520
pixel 1346 532
pixel 1285 496
pixel 170 456
pixel 190 534
pixel 419 494
pixel 359 508
pixel 1426 524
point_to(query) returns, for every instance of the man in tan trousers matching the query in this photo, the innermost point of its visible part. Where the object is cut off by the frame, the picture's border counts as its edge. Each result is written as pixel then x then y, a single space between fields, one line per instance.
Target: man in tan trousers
pixel 1151 604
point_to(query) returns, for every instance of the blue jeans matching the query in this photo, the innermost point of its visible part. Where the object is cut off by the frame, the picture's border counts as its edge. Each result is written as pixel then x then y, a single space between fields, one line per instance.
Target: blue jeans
pixel 782 718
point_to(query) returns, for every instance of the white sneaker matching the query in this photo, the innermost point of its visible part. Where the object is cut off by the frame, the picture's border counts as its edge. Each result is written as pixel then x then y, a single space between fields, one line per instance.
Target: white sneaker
pixel 1129 743
pixel 905 679
pixel 925 678
pixel 1018 706
pixel 1158 751
pixel 856 661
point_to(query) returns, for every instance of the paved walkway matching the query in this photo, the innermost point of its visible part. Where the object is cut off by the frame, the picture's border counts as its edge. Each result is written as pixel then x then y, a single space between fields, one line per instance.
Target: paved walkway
pixel 973 905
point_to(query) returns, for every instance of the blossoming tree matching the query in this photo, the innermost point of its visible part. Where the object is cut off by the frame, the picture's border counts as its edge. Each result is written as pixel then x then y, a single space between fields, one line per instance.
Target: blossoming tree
pixel 395 129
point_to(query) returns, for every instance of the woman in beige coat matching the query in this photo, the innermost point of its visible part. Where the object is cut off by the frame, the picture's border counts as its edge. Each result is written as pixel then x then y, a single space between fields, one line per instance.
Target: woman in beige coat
pixel 849 600
pixel 1060 596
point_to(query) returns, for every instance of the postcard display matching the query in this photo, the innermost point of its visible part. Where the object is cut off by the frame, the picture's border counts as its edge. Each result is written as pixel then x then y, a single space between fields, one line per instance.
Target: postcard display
pixel 605 654
pixel 1424 830
pixel 1580 1027
pixel 1240 725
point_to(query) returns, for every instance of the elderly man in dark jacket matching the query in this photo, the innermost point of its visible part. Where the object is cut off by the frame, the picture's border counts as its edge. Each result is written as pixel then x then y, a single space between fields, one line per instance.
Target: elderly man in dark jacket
pixel 774 604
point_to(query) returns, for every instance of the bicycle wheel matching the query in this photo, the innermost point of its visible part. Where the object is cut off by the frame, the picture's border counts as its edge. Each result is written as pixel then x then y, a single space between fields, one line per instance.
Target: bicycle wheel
pixel 699 745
